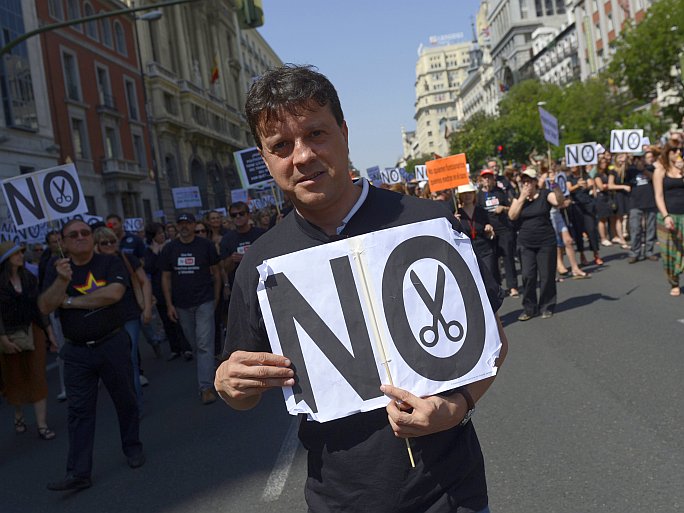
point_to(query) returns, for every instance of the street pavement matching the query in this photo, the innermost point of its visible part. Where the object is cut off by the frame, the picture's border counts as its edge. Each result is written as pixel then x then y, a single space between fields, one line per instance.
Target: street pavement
pixel 585 416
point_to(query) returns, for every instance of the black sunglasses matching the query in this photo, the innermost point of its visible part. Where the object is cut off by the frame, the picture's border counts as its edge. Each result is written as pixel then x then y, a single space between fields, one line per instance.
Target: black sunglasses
pixel 74 235
pixel 678 148
pixel 108 242
pixel 200 231
pixel 238 214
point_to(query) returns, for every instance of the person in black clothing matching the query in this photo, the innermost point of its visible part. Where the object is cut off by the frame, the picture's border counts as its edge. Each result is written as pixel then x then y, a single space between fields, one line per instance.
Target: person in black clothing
pixel 642 208
pixel 496 202
pixel 129 243
pixel 297 122
pixel 87 289
pixel 475 222
pixel 537 242
pixel 235 243
pixel 582 213
pixel 52 242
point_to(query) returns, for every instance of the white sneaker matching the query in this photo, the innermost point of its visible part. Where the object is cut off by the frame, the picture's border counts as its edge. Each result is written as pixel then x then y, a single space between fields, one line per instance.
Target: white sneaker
pixel 144 381
pixel 61 397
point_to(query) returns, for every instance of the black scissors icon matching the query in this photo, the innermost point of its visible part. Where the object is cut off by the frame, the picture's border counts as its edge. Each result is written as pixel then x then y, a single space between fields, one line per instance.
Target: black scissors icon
pixel 63 196
pixel 435 308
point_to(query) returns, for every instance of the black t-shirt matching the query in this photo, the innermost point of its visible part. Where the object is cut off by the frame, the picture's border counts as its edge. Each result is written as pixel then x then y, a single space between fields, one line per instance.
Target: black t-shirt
pixel 673 191
pixel 152 262
pixel 236 242
pixel 475 229
pixel 580 195
pixel 356 463
pixel 536 230
pixel 131 244
pixel 192 283
pixel 489 200
pixel 641 195
pixel 81 325
pixel 132 310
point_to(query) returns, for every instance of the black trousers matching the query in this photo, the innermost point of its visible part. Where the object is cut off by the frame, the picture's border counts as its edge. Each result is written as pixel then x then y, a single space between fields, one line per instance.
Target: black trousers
pixel 505 249
pixel 583 219
pixel 174 333
pixel 83 368
pixel 538 267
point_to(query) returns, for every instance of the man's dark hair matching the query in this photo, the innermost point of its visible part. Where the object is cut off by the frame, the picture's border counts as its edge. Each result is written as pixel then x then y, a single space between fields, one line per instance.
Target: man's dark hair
pixel 69 223
pixel 50 234
pixel 290 88
pixel 151 231
pixel 114 216
pixel 238 205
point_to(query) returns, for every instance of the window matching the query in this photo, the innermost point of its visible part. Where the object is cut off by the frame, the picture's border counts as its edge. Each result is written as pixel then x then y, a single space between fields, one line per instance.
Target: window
pixel 104 87
pixel 119 39
pixel 139 149
pixel 23 170
pixel 560 6
pixel 131 99
pixel 56 9
pixel 107 32
pixel 170 104
pixel 523 9
pixel 90 203
pixel 91 26
pixel 549 7
pixel 73 13
pixel 71 81
pixel 111 143
pixel 78 138
pixel 538 8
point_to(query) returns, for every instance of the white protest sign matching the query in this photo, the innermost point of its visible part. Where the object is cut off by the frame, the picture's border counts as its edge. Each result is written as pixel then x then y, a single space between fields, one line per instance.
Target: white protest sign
pixel 582 154
pixel 38 232
pixel 44 195
pixel 134 224
pixel 391 175
pixel 549 126
pixel 562 182
pixel 626 141
pixel 409 300
pixel 186 197
pixel 600 149
pixel 239 195
pixel 374 175
pixel 421 173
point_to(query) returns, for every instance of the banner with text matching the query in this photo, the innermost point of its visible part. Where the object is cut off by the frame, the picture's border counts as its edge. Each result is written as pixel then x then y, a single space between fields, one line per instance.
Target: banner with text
pixel 447 172
pixel 251 167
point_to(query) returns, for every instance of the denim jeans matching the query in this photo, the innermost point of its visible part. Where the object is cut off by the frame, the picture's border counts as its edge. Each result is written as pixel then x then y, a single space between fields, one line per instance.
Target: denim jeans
pixel 133 330
pixel 639 234
pixel 198 327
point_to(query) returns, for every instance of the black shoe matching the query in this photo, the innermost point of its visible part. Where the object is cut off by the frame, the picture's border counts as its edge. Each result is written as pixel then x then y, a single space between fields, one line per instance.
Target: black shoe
pixel 525 316
pixel 632 260
pixel 653 258
pixel 157 350
pixel 187 355
pixel 70 483
pixel 136 461
pixel 547 314
pixel 172 356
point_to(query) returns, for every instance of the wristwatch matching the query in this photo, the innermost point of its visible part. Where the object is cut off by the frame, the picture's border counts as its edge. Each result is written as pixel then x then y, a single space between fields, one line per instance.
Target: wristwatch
pixel 471 404
pixel 68 300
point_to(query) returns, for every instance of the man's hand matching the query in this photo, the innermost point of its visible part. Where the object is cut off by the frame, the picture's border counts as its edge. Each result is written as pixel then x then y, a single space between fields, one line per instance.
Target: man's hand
pixel 236 257
pixel 242 378
pixel 411 416
pixel 8 346
pixel 63 267
pixel 171 312
pixel 147 316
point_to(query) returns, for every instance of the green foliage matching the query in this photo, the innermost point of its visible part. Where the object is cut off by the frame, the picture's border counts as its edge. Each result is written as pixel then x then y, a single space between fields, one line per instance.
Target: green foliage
pixel 418 161
pixel 645 54
pixel 477 139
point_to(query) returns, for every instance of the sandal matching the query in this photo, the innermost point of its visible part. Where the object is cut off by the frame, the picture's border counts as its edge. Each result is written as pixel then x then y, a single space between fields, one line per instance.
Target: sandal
pixel 625 246
pixel 46 433
pixel 19 425
pixel 582 276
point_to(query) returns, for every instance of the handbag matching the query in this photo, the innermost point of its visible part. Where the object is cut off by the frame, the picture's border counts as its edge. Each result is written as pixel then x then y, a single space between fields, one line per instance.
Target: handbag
pixel 135 283
pixel 23 339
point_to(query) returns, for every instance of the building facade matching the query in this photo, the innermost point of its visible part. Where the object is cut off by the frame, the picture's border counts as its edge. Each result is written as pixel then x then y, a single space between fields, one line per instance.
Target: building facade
pixel 27 140
pixel 555 55
pixel 440 71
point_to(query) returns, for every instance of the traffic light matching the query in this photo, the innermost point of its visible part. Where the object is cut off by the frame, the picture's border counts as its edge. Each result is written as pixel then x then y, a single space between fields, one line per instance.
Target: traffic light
pixel 500 151
pixel 250 13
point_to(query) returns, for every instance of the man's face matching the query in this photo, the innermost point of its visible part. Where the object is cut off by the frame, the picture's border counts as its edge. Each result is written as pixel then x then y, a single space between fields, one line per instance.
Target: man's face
pixel 494 166
pixel 78 239
pixel 240 217
pixel 186 229
pixel 489 181
pixel 307 156
pixel 115 225
pixel 649 158
pixel 53 242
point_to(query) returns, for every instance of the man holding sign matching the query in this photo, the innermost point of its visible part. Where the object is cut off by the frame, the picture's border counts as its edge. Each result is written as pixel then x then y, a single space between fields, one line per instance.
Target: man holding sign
pixel 297 122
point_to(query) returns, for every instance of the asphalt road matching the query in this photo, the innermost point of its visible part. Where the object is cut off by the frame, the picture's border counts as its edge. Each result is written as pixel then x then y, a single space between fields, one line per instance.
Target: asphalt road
pixel 585 416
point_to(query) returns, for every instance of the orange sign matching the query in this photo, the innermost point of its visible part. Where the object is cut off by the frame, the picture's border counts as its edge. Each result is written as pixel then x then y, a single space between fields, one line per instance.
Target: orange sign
pixel 447 173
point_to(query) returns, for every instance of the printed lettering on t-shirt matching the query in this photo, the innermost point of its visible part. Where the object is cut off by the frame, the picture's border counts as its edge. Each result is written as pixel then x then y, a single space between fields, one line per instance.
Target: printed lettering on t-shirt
pixel 641 180
pixel 186 264
pixel 491 203
pixel 185 261
pixel 243 247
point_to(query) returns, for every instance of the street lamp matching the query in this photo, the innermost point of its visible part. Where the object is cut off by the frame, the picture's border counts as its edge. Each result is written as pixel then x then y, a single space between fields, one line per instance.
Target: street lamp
pixel 149 17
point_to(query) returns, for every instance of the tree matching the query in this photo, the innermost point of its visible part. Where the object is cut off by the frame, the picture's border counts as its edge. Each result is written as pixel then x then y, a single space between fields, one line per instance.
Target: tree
pixel 648 55
pixel 476 138
pixel 418 161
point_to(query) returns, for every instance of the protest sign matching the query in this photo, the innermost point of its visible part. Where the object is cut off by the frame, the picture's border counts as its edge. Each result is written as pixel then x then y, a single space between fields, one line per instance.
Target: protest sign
pixel 549 126
pixel 447 172
pixel 374 175
pixel 239 195
pixel 186 197
pixel 251 168
pixel 626 141
pixel 38 232
pixel 44 195
pixel 421 173
pixel 581 154
pixel 391 175
pixel 370 309
pixel 134 224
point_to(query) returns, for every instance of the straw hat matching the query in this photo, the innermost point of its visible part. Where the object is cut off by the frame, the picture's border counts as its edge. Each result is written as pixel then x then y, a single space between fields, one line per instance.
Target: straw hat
pixel 469 187
pixel 7 249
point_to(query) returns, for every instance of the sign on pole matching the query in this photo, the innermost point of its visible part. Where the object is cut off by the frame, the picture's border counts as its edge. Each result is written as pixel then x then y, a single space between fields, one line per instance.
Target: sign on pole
pixel 239 195
pixel 186 197
pixel 421 173
pixel 550 126
pixel 44 196
pixel 392 175
pixel 134 224
pixel 38 232
pixel 374 175
pixel 447 172
pixel 582 154
pixel 626 141
pixel 251 168
pixel 407 301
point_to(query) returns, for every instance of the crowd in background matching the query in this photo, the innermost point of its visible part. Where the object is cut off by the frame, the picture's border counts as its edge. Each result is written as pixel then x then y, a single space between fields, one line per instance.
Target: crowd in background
pixel 524 225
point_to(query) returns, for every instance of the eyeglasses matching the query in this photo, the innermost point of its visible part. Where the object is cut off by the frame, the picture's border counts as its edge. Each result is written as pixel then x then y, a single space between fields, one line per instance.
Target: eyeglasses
pixel 679 149
pixel 37 250
pixel 200 231
pixel 238 214
pixel 108 242
pixel 74 235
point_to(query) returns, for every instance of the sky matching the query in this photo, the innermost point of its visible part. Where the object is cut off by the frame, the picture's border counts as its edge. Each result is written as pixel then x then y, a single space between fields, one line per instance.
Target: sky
pixel 368 49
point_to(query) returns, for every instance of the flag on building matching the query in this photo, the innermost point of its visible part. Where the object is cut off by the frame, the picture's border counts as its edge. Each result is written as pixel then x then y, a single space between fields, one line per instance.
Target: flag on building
pixel 214 71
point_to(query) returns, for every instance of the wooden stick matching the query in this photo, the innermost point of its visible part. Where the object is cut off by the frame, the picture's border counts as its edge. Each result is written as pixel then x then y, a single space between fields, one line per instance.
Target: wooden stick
pixel 275 197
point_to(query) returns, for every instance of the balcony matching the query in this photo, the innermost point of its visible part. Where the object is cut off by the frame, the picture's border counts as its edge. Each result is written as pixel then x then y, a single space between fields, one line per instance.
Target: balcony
pixel 119 168
pixel 107 104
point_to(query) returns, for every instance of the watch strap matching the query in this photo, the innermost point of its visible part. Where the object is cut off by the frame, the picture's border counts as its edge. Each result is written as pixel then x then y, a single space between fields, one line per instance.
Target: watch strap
pixel 466 395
